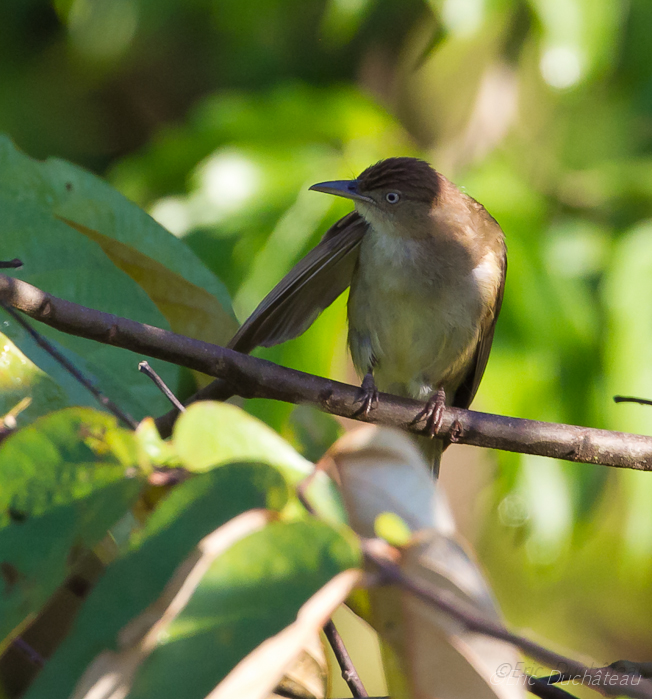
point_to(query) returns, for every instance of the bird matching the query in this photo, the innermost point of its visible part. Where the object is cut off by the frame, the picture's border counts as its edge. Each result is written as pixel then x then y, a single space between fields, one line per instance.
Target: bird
pixel 426 264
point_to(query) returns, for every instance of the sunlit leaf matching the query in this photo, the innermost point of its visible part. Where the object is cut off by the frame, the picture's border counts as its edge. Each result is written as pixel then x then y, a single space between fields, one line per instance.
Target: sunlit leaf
pixel 21 378
pixel 209 434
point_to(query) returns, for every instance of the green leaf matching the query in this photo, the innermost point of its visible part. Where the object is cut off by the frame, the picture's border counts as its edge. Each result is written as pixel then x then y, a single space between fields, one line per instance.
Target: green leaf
pixel 209 434
pixel 72 193
pixel 60 458
pixel 63 484
pixel 65 263
pixel 158 451
pixel 83 241
pixel 251 592
pixel 130 584
pixel 392 528
pixel 20 378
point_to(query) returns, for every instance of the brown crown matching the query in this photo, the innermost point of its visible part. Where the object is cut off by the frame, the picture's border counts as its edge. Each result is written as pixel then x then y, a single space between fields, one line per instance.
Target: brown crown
pixel 414 178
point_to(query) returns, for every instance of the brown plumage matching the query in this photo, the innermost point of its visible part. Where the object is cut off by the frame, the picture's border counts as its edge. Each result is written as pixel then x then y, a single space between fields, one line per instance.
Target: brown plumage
pixel 410 175
pixel 293 305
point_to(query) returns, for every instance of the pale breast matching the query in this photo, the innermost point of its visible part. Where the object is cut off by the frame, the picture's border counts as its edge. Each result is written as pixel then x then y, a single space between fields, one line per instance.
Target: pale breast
pixel 415 309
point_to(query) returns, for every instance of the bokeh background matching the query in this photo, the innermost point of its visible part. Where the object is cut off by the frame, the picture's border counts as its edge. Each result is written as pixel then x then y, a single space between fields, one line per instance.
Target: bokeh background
pixel 216 115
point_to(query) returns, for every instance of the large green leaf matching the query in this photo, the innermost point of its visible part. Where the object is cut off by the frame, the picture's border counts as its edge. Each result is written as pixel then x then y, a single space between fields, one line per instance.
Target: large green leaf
pixel 209 434
pixel 64 481
pixel 60 260
pixel 72 193
pixel 133 582
pixel 81 240
pixel 250 593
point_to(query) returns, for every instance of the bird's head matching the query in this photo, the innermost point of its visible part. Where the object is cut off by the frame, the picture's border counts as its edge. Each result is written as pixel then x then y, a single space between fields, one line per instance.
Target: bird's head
pixel 394 194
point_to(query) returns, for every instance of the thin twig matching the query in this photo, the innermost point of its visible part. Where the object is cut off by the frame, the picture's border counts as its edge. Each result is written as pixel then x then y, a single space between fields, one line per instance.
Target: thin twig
pixel 34 656
pixel 631 399
pixel 9 419
pixel 11 264
pixel 447 602
pixel 164 476
pixel 71 368
pixel 349 673
pixel 302 491
pixel 146 369
pixel 258 378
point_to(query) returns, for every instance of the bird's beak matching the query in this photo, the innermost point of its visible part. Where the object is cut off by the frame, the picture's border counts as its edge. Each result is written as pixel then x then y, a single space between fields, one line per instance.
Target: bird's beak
pixel 342 188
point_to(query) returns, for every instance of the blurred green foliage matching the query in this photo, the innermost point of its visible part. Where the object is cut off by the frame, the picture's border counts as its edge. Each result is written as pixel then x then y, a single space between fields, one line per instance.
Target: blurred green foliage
pixel 216 115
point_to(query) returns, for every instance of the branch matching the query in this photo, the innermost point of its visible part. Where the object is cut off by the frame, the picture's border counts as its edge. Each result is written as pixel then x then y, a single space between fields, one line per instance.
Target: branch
pixel 599 679
pixel 250 377
pixel 632 399
pixel 349 673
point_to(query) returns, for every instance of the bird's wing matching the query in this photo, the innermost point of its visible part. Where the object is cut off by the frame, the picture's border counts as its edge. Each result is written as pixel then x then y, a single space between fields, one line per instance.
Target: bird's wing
pixel 468 388
pixel 312 285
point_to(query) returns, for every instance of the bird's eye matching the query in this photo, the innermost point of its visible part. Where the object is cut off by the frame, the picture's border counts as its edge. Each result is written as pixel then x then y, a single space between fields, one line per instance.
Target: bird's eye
pixel 392 197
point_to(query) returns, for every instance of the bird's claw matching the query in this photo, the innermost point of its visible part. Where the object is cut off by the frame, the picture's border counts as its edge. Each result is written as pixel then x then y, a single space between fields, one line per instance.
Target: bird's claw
pixel 433 413
pixel 368 395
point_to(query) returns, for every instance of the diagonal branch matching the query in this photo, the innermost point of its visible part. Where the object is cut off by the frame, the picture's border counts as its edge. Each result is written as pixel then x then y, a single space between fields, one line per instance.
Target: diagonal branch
pixel 349 673
pixel 250 377
pixel 607 681
pixel 71 368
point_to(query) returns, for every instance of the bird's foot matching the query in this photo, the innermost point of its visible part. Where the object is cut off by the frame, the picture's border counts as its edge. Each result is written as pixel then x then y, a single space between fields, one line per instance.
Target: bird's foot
pixel 433 413
pixel 367 395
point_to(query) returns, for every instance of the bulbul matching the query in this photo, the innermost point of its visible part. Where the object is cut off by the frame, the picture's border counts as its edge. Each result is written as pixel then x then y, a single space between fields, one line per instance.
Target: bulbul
pixel 426 264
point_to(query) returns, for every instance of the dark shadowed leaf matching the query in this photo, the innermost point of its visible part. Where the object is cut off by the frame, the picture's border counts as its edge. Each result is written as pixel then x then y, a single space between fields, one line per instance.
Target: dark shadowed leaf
pixel 81 240
pixel 64 481
pixel 251 592
pixel 135 581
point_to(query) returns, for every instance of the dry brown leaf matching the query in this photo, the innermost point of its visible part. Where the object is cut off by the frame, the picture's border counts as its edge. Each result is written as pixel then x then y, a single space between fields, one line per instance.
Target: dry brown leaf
pixel 382 470
pixel 308 675
pixel 190 309
pixel 427 654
